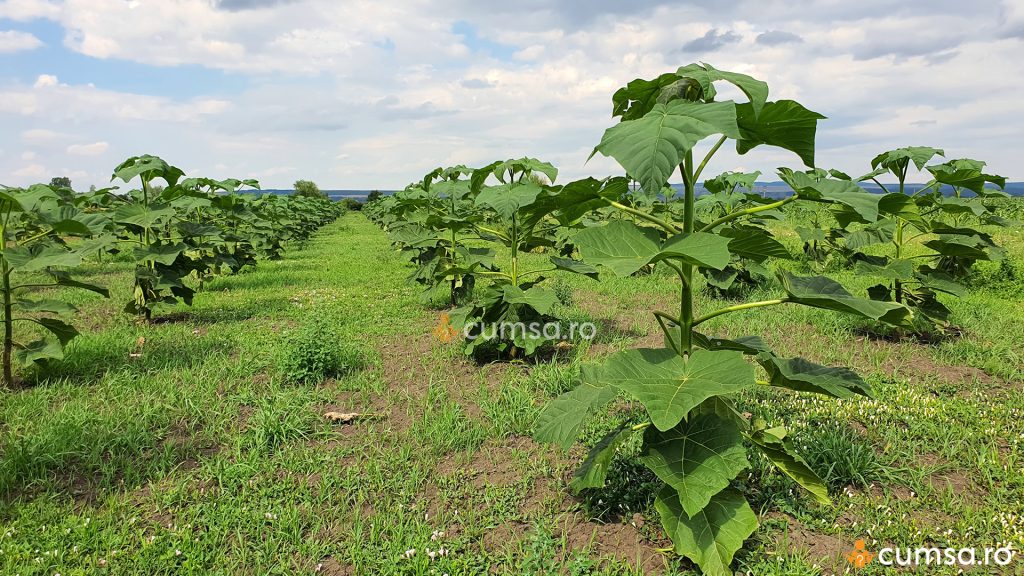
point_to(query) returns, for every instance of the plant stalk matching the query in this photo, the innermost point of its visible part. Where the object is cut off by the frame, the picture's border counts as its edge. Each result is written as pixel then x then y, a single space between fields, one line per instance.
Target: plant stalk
pixel 686 290
pixel 738 307
pixel 667 226
pixel 8 375
pixel 747 212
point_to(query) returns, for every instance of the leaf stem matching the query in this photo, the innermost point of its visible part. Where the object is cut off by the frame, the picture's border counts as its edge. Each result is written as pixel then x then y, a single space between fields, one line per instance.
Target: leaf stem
pixel 670 228
pixel 700 169
pixel 738 307
pixel 686 270
pixel 748 212
pixel 541 271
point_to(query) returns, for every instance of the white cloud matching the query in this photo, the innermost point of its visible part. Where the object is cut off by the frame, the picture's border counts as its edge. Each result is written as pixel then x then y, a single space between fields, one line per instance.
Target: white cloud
pixel 45 81
pixel 368 94
pixel 40 136
pixel 31 172
pixel 94 149
pixel 12 41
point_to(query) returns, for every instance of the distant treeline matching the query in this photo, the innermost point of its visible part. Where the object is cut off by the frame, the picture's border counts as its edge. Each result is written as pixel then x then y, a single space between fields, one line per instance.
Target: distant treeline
pixel 333 194
pixel 768 189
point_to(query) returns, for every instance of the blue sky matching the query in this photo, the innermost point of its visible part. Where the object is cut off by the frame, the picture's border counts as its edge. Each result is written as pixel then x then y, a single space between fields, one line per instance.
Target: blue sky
pixel 373 94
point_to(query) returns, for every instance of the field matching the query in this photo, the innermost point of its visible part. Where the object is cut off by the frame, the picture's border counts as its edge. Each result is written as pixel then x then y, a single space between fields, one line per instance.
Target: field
pixel 182 447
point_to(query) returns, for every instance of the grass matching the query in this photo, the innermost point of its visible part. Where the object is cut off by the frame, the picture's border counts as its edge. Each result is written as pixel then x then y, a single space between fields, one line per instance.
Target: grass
pixel 198 445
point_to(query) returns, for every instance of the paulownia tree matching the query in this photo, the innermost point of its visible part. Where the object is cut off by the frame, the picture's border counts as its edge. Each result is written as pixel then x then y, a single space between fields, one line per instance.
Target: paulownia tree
pixel 694 439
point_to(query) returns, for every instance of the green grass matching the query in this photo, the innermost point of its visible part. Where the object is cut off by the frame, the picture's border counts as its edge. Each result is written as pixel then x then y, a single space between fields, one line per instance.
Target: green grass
pixel 191 447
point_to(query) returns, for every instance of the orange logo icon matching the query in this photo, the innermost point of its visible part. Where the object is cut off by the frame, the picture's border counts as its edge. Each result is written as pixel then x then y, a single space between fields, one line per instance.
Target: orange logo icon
pixel 444 331
pixel 860 557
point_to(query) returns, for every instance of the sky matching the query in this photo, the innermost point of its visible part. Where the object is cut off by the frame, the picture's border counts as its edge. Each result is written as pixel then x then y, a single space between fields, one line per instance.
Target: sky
pixel 373 94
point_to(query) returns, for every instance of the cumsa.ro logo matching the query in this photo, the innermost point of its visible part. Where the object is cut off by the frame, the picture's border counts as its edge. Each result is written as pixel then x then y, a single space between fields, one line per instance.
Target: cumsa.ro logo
pixel 860 557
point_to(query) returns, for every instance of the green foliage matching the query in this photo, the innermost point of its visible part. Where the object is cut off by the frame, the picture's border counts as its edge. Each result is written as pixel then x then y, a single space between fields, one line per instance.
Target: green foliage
pixel 34 255
pixel 842 458
pixel 60 182
pixel 199 227
pixel 511 206
pixel 316 351
pixel 950 222
pixel 374 195
pixel 307 188
pixel 695 440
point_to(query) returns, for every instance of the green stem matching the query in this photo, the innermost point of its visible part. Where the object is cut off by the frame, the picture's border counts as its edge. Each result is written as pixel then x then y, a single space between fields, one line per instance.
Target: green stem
pixel 898 240
pixel 738 307
pixel 641 426
pixel 686 276
pixel 8 375
pixel 540 271
pixel 669 227
pixel 454 279
pixel 748 212
pixel 700 169
pixel 515 252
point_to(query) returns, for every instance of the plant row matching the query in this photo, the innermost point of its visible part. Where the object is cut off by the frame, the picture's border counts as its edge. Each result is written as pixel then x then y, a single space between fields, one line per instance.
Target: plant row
pixel 177 231
pixel 465 230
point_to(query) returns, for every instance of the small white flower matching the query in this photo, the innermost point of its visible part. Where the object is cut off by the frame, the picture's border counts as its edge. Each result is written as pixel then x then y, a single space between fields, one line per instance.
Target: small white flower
pixel 177 552
pixel 410 553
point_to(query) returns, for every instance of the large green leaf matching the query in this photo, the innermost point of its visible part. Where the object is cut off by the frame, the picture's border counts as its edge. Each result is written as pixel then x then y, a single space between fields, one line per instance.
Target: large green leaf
pixel 621 245
pixel 806 376
pixel 34 198
pixel 39 350
pixel 668 385
pixel 843 192
pixel 507 199
pixel 698 458
pixel 965 173
pixel 898 160
pixel 878 232
pixel 142 215
pixel 822 292
pixel 903 207
pixel 901 270
pixel 47 306
pixel 774 444
pixel 962 247
pixel 62 278
pixel 785 124
pixel 712 536
pixel 563 417
pixel 637 97
pixel 594 470
pixel 148 166
pixel 756 90
pixel 650 148
pixel 754 243
pixel 40 256
pixel 582 196
pixel 574 266
pixel 540 299
pixel 62 330
pixel 164 254
pixel 697 248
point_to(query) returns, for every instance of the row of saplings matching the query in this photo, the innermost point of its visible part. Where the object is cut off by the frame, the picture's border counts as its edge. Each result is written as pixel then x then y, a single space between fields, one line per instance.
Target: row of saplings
pixel 177 231
pixel 694 438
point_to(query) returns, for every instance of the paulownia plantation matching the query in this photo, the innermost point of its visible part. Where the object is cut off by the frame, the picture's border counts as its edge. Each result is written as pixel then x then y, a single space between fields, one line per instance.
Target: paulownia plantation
pixel 694 438
pixel 233 381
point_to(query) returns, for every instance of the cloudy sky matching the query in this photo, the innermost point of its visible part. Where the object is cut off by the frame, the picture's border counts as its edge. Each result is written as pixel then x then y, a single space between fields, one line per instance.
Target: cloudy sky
pixel 355 94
